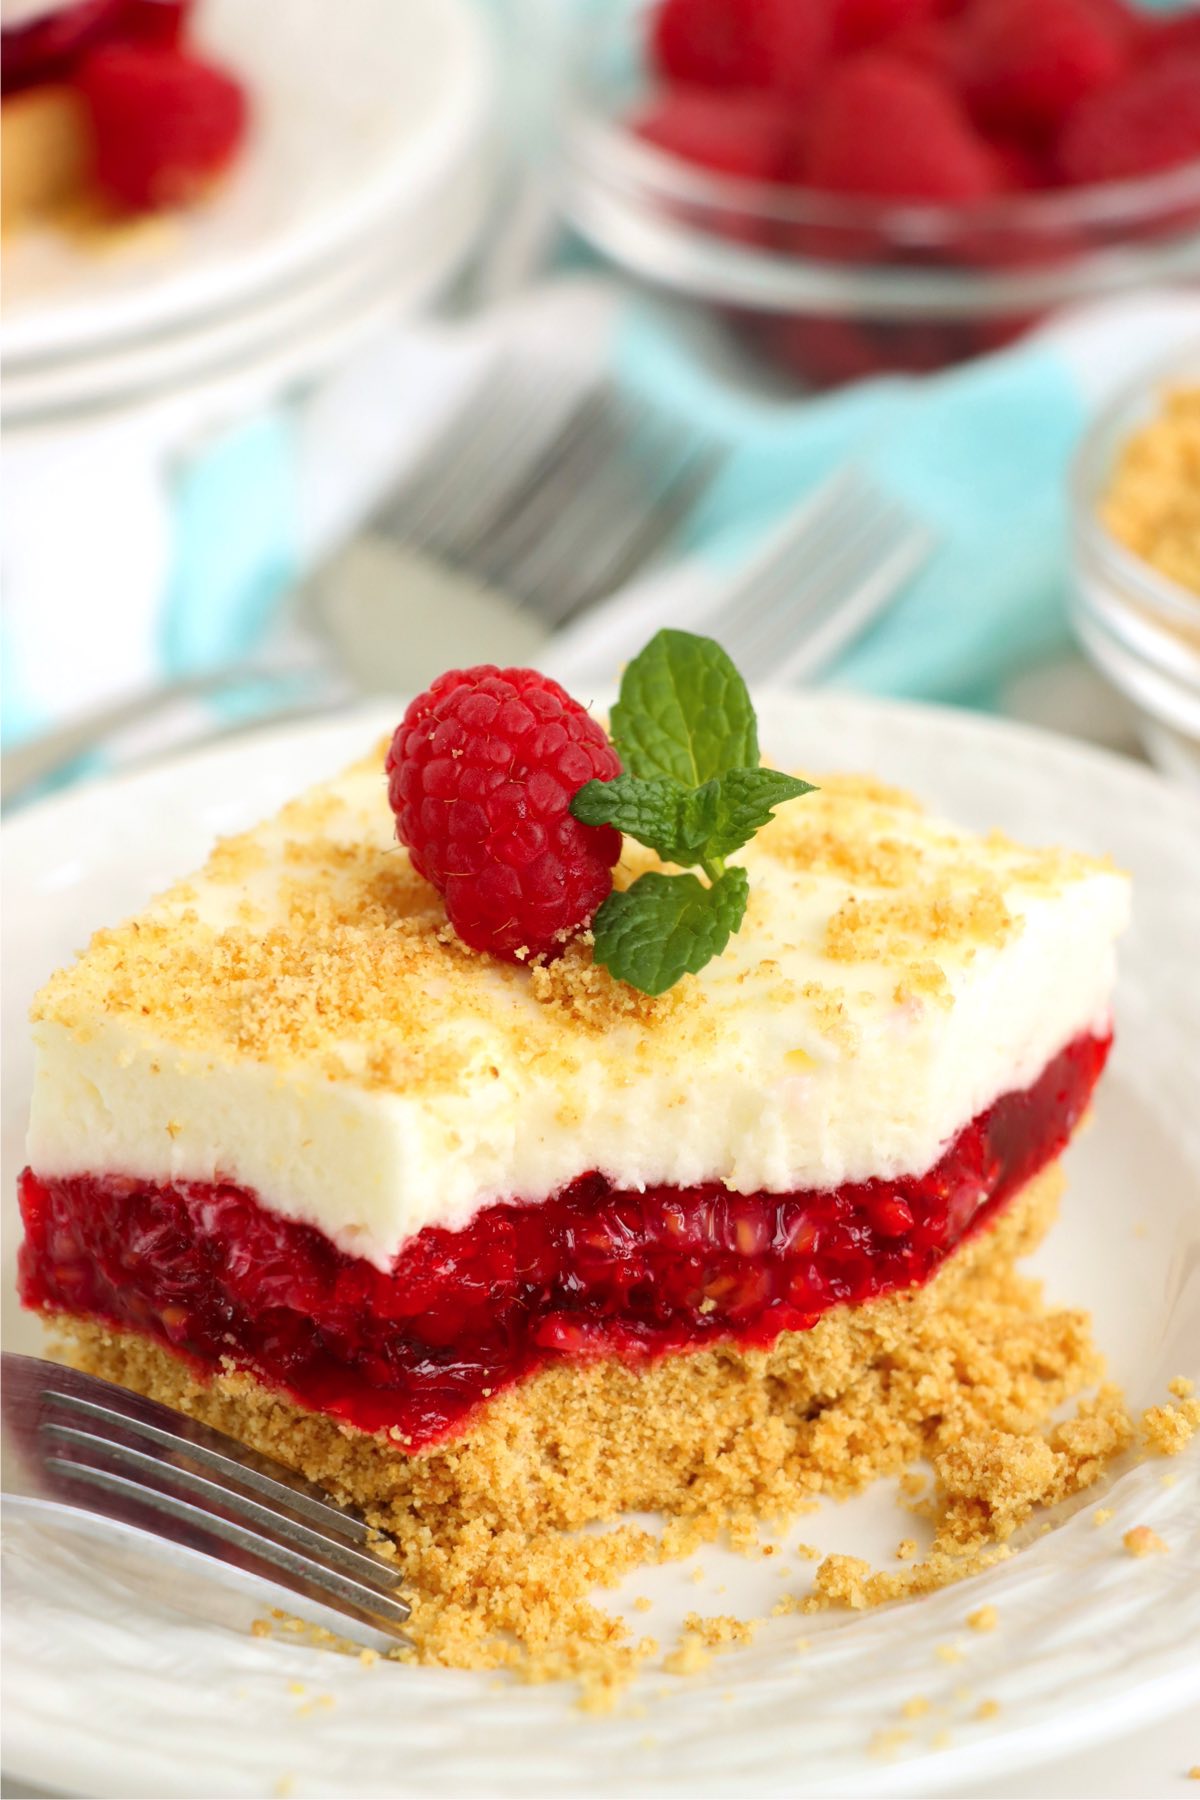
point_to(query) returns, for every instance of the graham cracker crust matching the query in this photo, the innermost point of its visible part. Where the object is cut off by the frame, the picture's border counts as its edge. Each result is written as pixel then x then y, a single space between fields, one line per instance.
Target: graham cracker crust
pixel 966 1372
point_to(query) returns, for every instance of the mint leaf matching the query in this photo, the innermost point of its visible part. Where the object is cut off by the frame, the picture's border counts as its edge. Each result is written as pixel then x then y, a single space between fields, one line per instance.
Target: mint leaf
pixel 674 821
pixel 689 825
pixel 665 926
pixel 744 801
pixel 684 712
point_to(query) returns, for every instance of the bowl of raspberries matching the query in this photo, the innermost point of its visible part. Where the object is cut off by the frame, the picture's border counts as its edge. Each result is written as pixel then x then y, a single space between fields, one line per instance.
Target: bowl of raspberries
pixel 869 186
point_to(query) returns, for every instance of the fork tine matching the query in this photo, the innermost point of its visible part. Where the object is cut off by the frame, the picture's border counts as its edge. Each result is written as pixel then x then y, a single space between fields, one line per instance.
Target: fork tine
pixel 909 551
pixel 460 453
pixel 483 487
pixel 821 516
pixel 803 582
pixel 501 513
pixel 273 1521
pixel 560 562
pixel 835 598
pixel 645 532
pixel 385 1611
pixel 823 581
pixel 221 1456
pixel 807 583
pixel 556 483
pixel 614 523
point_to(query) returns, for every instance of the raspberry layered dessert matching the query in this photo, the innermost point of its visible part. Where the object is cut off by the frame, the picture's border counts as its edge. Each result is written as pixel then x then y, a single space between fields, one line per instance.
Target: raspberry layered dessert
pixel 109 113
pixel 448 1139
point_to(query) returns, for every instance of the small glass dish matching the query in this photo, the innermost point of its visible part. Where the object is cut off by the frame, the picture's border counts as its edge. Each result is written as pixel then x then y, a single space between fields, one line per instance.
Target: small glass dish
pixel 829 288
pixel 1138 626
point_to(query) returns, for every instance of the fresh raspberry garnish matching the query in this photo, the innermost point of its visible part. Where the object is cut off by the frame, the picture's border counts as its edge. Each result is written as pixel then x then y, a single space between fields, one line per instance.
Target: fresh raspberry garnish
pixel 776 45
pixel 481 774
pixel 1149 121
pixel 882 126
pixel 745 135
pixel 1027 63
pixel 861 24
pixel 164 124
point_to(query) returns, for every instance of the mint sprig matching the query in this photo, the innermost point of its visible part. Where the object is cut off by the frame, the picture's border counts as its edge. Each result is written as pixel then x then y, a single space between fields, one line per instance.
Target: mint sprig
pixel 667 925
pixel 693 792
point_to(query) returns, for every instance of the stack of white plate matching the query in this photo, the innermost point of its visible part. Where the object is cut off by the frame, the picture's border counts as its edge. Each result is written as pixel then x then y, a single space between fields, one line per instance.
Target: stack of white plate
pixel 363 183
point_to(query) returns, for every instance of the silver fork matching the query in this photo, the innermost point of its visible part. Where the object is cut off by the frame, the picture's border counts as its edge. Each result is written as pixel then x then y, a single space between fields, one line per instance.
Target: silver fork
pixel 554 507
pixel 77 1448
pixel 838 563
pixel 527 509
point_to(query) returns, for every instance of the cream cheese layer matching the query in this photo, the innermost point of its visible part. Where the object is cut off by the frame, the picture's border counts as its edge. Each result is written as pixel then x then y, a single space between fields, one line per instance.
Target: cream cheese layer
pixel 300 1020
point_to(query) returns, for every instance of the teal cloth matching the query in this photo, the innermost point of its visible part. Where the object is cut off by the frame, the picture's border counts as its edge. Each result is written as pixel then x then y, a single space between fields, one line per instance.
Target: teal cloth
pixel 979 452
pixel 233 537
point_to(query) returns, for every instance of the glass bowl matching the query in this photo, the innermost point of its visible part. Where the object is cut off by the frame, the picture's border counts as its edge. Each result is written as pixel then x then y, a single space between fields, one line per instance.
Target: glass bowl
pixel 830 288
pixel 1138 626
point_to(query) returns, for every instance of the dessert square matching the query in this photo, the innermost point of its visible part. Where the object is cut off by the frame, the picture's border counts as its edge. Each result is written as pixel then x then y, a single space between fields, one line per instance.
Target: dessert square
pixel 296 1147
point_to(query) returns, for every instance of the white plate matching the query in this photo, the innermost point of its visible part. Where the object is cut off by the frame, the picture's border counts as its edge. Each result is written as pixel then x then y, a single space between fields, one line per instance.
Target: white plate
pixel 396 273
pixel 114 1695
pixel 362 112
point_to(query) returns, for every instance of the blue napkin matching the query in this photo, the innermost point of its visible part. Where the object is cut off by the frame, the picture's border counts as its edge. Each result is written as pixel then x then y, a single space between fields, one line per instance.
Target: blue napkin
pixel 979 452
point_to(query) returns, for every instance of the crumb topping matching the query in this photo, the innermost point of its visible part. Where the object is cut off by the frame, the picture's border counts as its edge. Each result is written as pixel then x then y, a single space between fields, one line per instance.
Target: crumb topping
pixel 1153 502
pixel 311 941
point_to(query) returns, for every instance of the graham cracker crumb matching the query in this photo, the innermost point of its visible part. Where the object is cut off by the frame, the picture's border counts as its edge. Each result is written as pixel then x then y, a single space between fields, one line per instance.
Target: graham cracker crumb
pixel 690 1657
pixel 948 1653
pixel 941 1740
pixel 906 1549
pixel 885 1744
pixel 1182 1387
pixel 1140 1540
pixel 984 1618
pixel 1102 1515
pixel 987 1709
pixel 1168 1429
pixel 721 1630
pixel 1153 501
pixel 1194 1772
pixel 916 1708
pixel 965 1373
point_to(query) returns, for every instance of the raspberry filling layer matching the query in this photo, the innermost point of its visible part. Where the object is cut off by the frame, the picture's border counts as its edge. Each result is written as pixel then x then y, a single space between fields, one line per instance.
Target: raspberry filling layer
pixel 594 1271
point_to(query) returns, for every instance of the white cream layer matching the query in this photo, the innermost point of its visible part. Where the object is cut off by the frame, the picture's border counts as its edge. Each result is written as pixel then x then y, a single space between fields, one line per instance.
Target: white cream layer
pixel 776 1092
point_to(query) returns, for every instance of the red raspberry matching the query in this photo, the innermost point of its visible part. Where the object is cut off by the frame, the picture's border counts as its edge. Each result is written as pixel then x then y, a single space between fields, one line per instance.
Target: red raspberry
pixel 1149 121
pixel 160 22
pixel 745 135
pixel 1027 63
pixel 49 46
pixel 164 124
pixel 481 773
pixel 1171 36
pixel 882 126
pixel 860 24
pixel 776 45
